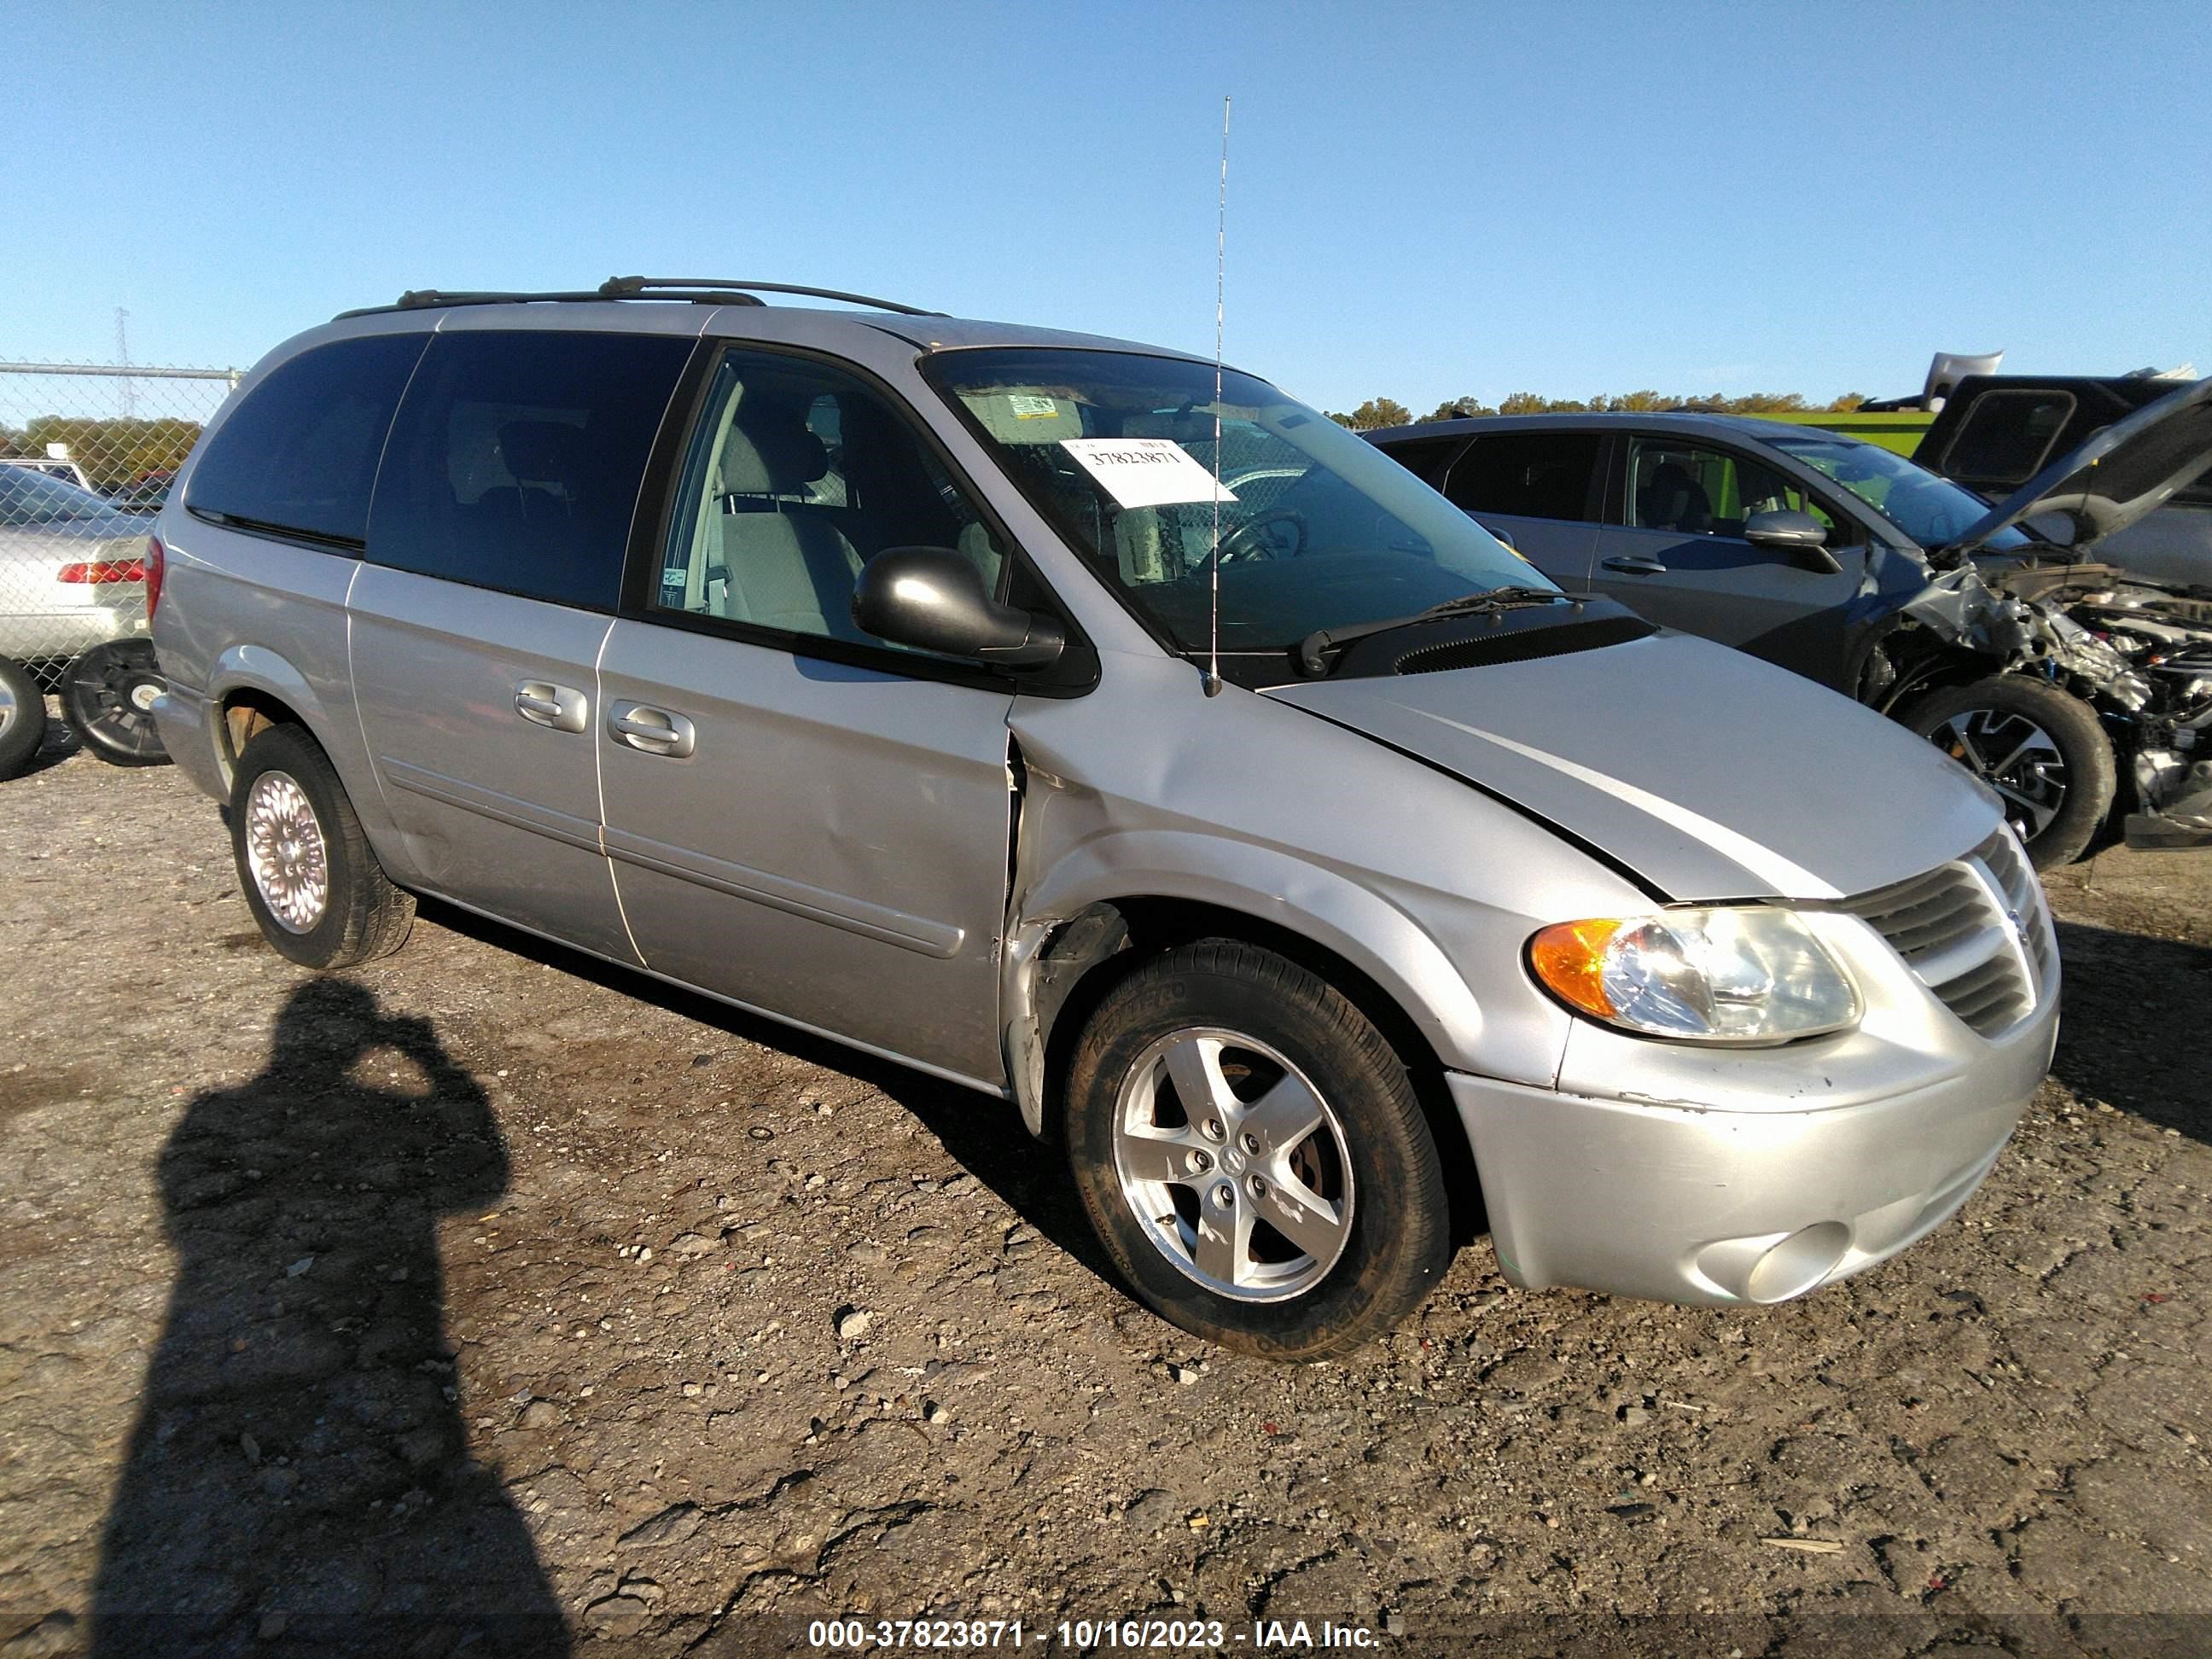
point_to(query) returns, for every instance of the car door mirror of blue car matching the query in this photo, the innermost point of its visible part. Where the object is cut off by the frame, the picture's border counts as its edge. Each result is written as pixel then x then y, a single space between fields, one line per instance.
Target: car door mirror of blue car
pixel 932 599
pixel 1800 535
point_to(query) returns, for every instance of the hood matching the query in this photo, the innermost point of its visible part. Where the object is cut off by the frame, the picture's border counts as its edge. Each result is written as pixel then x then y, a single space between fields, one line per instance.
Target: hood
pixel 2115 476
pixel 1710 774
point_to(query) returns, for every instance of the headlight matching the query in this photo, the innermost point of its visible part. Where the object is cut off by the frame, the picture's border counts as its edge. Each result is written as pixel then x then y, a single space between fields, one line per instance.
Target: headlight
pixel 1741 974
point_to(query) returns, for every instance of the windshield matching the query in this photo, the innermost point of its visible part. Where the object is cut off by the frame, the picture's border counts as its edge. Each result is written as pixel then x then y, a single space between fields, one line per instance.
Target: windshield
pixel 1318 528
pixel 1929 508
pixel 30 496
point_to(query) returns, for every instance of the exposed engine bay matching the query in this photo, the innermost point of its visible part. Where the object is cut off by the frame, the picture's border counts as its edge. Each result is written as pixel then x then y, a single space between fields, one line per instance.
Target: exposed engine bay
pixel 2138 652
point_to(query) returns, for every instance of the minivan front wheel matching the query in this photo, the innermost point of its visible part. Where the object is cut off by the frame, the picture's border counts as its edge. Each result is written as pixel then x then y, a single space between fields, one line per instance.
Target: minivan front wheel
pixel 1250 1152
pixel 2039 747
pixel 306 868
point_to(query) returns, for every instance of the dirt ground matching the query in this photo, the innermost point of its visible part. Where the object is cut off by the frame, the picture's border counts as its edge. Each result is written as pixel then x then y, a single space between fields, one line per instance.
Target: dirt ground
pixel 484 1301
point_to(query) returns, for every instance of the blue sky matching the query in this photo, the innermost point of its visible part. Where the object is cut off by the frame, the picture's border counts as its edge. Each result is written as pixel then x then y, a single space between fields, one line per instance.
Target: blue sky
pixel 1425 200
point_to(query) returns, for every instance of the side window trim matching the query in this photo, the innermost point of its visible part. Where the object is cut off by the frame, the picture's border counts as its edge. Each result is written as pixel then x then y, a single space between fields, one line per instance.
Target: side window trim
pixel 692 404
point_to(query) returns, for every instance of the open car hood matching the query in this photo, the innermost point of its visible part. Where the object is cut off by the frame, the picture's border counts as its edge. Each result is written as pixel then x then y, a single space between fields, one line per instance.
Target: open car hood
pixel 1710 774
pixel 2115 476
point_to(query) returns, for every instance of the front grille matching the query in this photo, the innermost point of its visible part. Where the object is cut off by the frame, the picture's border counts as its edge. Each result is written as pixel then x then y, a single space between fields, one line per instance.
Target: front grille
pixel 1975 932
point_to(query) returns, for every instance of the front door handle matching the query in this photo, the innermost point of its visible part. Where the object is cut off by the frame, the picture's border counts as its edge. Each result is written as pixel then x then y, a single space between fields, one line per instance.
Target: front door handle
pixel 544 703
pixel 653 730
pixel 1636 566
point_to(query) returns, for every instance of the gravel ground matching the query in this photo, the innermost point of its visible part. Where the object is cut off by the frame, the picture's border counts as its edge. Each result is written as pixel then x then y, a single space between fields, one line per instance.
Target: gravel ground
pixel 485 1301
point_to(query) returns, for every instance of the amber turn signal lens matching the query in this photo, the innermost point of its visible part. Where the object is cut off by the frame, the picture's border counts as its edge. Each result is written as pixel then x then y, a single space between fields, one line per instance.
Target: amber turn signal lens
pixel 1570 958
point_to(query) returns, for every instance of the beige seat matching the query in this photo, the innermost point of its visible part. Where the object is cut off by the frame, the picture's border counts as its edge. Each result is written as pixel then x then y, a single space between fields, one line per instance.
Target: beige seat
pixel 770 559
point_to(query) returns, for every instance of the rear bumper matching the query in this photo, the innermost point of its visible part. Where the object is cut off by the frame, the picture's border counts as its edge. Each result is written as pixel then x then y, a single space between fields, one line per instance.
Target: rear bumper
pixel 1684 1205
pixel 187 723
pixel 59 636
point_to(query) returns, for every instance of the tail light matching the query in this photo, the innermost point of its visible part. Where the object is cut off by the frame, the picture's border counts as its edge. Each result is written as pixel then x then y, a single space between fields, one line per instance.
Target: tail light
pixel 105 570
pixel 155 563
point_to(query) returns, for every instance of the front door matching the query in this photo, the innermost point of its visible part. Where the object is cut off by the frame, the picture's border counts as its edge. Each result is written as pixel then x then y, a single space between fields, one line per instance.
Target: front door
pixel 1680 558
pixel 805 820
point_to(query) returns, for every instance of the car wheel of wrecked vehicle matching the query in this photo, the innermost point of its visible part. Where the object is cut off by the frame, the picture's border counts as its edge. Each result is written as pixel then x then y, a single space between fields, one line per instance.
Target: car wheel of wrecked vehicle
pixel 1249 1149
pixel 2040 748
pixel 305 867
pixel 108 696
pixel 22 717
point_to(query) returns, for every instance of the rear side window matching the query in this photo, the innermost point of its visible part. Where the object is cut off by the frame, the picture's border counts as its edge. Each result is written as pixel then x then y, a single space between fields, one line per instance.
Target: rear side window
pixel 298 455
pixel 1424 457
pixel 2007 436
pixel 516 459
pixel 1534 475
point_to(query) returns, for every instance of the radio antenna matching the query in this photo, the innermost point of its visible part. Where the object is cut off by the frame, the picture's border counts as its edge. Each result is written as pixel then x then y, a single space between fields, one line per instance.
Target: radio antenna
pixel 1220 269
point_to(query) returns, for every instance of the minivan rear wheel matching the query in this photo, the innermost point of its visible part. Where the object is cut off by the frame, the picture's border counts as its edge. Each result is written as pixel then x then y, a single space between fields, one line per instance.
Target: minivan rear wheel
pixel 1250 1150
pixel 315 886
pixel 2039 747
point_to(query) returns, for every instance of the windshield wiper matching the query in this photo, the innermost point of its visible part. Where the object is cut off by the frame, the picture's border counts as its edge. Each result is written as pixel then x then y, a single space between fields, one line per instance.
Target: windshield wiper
pixel 1314 664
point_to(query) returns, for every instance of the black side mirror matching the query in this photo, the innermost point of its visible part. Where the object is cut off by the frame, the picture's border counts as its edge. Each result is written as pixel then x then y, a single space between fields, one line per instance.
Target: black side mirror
pixel 932 599
pixel 1800 535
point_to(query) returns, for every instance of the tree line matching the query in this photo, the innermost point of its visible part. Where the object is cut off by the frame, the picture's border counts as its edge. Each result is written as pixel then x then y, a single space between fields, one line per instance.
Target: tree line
pixel 114 453
pixel 1388 411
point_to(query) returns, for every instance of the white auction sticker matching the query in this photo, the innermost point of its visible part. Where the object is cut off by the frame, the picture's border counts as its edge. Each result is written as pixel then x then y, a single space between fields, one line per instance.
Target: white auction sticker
pixel 1146 471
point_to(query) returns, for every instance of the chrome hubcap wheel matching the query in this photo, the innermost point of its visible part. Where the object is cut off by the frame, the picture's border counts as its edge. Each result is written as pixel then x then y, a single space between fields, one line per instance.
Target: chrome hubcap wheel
pixel 7 709
pixel 1234 1165
pixel 2014 756
pixel 285 852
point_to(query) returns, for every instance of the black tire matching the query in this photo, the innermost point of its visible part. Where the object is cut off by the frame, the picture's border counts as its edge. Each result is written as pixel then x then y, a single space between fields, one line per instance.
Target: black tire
pixel 22 717
pixel 1372 1142
pixel 361 915
pixel 107 696
pixel 2058 787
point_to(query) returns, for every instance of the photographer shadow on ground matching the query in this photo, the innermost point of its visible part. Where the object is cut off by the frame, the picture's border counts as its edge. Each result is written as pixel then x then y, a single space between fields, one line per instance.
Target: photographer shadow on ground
pixel 298 1478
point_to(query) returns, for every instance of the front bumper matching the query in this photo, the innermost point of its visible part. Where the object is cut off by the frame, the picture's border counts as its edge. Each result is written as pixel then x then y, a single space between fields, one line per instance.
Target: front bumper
pixel 1689 1204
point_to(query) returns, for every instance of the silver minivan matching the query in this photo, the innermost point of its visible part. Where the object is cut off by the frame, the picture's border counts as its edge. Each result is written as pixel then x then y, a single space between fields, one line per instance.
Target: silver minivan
pixel 1113 735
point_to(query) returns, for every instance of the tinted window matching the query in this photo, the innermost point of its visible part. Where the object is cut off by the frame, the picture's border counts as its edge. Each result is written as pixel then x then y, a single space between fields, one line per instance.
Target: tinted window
pixel 301 452
pixel 2008 436
pixel 1536 475
pixel 515 461
pixel 1424 457
pixel 798 475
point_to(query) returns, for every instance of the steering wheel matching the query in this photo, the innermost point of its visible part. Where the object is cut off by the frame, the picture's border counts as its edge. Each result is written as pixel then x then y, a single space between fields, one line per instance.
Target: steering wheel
pixel 1243 543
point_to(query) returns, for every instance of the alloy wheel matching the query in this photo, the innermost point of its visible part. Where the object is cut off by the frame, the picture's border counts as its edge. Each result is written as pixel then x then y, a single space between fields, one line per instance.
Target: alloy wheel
pixel 2014 756
pixel 1234 1164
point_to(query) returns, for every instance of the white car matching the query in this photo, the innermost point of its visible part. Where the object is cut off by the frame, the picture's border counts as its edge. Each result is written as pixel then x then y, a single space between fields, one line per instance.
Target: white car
pixel 73 618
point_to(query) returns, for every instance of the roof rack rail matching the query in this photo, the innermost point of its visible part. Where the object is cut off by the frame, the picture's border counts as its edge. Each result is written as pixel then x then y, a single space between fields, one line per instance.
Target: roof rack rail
pixel 627 288
pixel 697 290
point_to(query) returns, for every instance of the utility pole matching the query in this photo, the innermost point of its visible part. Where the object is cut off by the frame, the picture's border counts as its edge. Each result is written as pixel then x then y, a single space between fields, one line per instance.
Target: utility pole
pixel 122 359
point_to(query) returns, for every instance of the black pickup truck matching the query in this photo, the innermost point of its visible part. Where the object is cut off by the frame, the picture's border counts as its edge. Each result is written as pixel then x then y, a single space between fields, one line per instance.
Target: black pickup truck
pixel 1994 432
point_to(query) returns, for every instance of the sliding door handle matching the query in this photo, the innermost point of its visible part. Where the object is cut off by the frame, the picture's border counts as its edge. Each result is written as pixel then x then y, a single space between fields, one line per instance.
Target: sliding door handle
pixel 544 703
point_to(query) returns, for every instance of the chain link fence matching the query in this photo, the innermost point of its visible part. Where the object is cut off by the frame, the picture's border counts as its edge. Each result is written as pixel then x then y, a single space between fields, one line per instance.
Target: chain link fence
pixel 87 454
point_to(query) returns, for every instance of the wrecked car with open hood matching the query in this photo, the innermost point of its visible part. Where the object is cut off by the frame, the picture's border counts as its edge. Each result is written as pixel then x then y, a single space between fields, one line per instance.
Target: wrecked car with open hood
pixel 2081 693
pixel 1109 733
